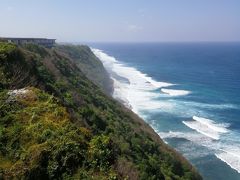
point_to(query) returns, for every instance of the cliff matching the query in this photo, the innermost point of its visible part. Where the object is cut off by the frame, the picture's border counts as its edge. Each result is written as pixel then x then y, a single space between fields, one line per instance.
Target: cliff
pixel 57 124
pixel 88 64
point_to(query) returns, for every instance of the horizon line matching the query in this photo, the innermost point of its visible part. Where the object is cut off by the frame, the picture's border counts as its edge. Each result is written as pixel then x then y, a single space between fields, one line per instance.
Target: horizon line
pixel 141 42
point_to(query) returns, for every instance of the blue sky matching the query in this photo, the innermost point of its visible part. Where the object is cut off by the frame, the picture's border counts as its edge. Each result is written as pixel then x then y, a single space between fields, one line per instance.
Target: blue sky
pixel 122 20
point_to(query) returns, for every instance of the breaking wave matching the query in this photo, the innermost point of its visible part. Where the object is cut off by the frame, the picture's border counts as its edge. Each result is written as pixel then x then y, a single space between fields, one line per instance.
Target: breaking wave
pixel 140 93
pixel 173 92
pixel 231 158
pixel 222 128
pixel 207 127
pixel 228 153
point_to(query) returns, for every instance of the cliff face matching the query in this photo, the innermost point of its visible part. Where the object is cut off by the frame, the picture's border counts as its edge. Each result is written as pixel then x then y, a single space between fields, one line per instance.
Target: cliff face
pixel 56 124
pixel 89 64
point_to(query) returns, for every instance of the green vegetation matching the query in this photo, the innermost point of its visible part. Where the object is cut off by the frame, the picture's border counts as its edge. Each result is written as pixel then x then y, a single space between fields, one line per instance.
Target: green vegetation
pixel 88 64
pixel 61 125
pixel 6 48
pixel 38 139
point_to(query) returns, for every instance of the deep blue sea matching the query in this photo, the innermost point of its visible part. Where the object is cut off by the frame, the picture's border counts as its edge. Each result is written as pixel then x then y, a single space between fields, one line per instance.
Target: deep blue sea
pixel 188 92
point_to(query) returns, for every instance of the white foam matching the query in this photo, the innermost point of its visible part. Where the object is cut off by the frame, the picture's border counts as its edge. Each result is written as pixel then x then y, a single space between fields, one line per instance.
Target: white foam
pixel 231 158
pixel 155 83
pixel 103 56
pixel 138 93
pixel 202 128
pixel 207 127
pixel 222 128
pixel 190 148
pixel 174 92
pixel 196 138
pixel 139 90
pixel 205 105
pixel 226 152
pixel 128 72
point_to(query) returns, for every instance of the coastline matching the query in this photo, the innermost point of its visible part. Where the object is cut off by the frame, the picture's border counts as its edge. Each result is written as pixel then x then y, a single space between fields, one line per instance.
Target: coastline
pixel 142 94
pixel 130 108
pixel 95 125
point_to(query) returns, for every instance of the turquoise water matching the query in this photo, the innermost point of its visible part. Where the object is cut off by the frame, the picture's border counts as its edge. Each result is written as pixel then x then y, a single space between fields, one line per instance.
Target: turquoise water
pixel 189 94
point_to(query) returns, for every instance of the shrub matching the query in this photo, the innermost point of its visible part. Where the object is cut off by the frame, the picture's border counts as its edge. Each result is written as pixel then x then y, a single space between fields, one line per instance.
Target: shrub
pixel 101 152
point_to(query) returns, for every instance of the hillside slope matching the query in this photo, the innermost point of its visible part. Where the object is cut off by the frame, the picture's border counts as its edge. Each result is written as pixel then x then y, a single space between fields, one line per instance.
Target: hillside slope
pixel 56 124
pixel 88 64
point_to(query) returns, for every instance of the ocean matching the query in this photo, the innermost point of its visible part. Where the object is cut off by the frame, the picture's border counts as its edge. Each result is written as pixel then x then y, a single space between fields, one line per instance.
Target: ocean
pixel 188 92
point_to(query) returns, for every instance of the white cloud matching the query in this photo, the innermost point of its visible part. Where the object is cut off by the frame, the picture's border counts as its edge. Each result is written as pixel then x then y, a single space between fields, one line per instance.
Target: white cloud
pixel 142 12
pixel 133 28
pixel 10 8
